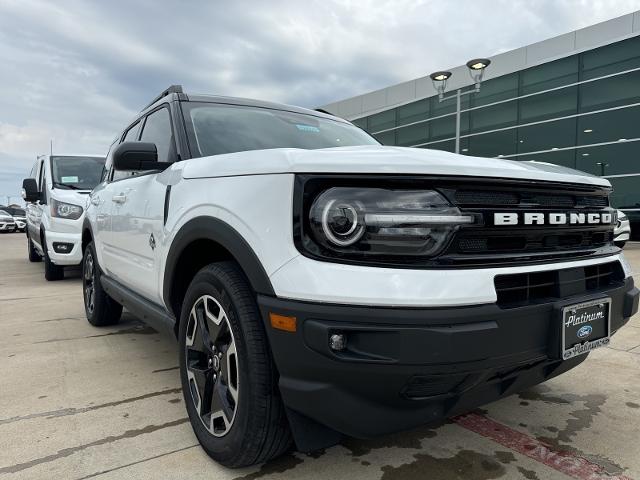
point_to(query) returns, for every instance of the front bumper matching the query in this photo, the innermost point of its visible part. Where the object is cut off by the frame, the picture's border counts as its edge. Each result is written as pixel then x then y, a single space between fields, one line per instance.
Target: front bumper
pixel 74 256
pixel 405 367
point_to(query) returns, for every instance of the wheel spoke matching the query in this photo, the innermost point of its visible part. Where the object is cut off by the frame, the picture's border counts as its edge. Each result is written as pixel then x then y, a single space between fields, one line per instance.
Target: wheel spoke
pixel 229 370
pixel 220 403
pixel 216 320
pixel 203 328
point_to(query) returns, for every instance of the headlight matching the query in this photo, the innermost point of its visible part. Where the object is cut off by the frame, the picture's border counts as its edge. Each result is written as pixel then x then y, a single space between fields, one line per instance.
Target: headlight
pixel 65 210
pixel 359 223
pixel 622 215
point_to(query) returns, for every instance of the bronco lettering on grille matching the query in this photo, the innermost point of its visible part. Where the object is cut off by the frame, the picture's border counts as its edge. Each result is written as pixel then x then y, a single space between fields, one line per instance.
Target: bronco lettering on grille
pixel 538 218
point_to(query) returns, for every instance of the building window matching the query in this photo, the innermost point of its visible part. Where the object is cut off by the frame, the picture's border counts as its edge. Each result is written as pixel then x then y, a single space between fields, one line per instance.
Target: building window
pixel 386 138
pixel 617 57
pixel 609 126
pixel 549 75
pixel 494 144
pixel 413 112
pixel 614 159
pixel 382 120
pixel 626 193
pixel 547 136
pixel 413 134
pixel 496 89
pixel 610 92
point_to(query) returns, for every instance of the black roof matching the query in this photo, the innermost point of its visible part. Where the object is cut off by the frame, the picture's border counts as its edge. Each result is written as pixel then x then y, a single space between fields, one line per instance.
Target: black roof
pixel 175 92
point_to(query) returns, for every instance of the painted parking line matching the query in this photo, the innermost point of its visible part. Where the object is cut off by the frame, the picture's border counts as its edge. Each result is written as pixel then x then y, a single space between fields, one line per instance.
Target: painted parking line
pixel 564 462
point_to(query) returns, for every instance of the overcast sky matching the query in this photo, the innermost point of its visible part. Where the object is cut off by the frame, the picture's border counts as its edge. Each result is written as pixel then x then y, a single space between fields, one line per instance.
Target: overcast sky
pixel 76 72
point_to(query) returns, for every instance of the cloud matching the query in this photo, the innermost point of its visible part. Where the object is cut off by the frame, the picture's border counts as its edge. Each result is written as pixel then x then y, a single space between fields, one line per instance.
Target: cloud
pixel 77 72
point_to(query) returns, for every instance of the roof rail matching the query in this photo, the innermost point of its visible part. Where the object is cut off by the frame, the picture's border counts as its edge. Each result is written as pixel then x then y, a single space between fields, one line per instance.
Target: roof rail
pixel 171 89
pixel 322 110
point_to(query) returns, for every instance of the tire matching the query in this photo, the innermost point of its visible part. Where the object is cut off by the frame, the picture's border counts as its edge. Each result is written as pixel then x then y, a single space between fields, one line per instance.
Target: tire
pixel 100 308
pixel 34 256
pixel 52 272
pixel 256 428
pixel 620 244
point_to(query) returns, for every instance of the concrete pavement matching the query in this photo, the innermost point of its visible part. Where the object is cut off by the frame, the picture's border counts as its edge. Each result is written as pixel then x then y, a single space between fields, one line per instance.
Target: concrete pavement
pixel 80 402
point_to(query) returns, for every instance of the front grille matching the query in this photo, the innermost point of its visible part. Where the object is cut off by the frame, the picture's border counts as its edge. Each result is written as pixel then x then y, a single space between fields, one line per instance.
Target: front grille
pixel 519 289
pixel 484 243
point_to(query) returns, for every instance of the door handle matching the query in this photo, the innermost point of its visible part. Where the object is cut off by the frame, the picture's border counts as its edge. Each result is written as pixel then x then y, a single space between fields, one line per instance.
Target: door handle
pixel 119 198
pixel 95 201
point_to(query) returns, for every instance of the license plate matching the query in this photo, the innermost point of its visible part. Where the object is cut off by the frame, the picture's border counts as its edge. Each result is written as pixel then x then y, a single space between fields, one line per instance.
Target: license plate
pixel 585 326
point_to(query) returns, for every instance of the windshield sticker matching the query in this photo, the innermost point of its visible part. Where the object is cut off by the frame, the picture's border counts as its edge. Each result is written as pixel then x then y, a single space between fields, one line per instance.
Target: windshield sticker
pixel 308 128
pixel 69 180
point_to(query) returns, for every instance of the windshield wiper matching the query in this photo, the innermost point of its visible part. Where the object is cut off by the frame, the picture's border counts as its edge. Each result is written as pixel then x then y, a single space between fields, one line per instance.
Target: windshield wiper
pixel 64 185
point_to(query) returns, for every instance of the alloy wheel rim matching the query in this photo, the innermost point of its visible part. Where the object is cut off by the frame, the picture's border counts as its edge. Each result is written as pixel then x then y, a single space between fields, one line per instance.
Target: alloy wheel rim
pixel 89 283
pixel 212 365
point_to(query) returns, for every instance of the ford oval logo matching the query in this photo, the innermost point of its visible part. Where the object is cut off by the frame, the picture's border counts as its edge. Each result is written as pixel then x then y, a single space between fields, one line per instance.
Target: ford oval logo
pixel 585 331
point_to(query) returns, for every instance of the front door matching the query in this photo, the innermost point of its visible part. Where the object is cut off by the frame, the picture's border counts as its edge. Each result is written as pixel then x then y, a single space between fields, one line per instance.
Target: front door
pixel 137 215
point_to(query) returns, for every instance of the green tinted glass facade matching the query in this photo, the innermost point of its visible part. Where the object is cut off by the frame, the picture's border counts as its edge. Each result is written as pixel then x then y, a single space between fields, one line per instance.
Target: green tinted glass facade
pixel 581 111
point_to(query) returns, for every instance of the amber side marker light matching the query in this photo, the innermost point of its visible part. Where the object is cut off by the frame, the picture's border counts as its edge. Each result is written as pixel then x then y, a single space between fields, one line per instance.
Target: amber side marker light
pixel 281 322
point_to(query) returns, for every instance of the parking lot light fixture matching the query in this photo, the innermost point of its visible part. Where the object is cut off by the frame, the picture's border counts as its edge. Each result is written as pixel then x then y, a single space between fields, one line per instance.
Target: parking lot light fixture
pixel 476 67
pixel 439 80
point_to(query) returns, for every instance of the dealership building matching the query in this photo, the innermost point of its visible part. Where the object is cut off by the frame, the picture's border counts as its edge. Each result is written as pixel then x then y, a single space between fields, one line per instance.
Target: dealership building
pixel 572 100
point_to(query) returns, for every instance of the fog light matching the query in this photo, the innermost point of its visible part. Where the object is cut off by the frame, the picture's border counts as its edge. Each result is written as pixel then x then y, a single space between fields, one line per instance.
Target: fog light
pixel 337 342
pixel 60 247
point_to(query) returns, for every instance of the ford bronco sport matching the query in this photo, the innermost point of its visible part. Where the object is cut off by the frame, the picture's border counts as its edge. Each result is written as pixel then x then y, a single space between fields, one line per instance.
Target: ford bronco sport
pixel 322 285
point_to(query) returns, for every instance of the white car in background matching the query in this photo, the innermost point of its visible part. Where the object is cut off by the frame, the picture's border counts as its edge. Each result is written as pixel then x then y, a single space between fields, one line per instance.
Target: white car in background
pixel 19 216
pixel 622 232
pixel 7 223
pixel 56 196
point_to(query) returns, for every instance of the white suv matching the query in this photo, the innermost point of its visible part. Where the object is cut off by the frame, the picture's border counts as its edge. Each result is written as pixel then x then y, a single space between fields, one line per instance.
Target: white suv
pixel 56 194
pixel 321 284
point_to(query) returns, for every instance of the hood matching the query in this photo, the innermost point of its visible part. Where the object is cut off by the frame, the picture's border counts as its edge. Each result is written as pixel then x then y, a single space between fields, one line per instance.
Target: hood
pixel 377 159
pixel 76 197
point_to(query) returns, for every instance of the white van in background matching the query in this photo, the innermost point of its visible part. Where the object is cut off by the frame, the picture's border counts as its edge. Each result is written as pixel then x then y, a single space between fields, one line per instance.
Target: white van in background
pixel 56 194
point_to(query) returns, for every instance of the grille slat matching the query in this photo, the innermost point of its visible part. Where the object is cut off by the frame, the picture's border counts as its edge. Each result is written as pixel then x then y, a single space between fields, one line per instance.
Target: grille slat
pixel 520 289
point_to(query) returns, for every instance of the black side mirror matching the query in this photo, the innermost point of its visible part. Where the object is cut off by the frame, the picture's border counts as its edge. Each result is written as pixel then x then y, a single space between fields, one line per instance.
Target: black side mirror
pixel 30 190
pixel 137 156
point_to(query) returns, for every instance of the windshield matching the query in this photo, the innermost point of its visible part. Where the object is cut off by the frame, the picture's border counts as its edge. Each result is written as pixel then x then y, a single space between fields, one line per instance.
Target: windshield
pixel 76 173
pixel 216 129
pixel 4 214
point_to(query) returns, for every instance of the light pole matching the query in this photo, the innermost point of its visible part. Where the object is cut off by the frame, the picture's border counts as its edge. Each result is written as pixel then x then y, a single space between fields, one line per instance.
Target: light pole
pixel 602 167
pixel 476 70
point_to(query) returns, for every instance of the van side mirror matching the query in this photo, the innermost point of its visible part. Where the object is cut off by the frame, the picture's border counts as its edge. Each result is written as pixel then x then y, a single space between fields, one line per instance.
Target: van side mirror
pixel 137 156
pixel 30 190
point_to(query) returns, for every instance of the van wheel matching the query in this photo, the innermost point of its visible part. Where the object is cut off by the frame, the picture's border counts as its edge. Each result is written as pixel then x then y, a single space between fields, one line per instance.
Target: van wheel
pixel 34 256
pixel 99 307
pixel 52 272
pixel 229 380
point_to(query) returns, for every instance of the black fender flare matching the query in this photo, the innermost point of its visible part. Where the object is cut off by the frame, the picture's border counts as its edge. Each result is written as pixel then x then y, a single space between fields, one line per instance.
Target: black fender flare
pixel 210 228
pixel 86 227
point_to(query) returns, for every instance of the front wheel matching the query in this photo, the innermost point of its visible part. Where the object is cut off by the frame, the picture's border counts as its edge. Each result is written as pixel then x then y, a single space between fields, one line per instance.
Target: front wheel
pixel 52 272
pixel 229 380
pixel 99 307
pixel 34 256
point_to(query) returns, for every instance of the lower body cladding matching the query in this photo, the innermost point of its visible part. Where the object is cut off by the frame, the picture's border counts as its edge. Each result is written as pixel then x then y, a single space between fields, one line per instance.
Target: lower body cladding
pixel 392 369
